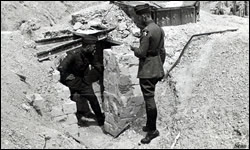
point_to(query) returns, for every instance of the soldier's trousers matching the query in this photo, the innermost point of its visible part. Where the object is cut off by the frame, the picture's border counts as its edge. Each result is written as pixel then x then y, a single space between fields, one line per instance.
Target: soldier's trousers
pixel 148 91
pixel 85 90
pixel 82 104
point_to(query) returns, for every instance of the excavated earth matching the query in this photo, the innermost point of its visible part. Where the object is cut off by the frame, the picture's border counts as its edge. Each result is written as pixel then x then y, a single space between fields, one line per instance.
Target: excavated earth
pixel 204 103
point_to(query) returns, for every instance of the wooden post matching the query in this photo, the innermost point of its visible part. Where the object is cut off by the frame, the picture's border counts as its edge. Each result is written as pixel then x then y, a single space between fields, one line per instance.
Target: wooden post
pixel 246 8
pixel 226 3
pixel 234 7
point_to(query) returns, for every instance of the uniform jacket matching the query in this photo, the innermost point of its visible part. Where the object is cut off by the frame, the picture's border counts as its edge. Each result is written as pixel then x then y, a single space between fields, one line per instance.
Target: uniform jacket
pixel 77 63
pixel 151 52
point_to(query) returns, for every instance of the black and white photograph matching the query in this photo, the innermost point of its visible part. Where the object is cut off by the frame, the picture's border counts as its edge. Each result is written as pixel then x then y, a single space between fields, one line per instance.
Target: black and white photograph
pixel 124 74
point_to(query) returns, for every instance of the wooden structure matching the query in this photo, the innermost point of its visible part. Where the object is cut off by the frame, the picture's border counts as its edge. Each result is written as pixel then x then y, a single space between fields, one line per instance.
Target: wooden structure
pixel 163 13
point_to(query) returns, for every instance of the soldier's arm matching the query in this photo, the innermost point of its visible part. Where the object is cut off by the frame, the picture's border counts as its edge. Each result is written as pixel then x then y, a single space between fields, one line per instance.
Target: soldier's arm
pixel 162 49
pixel 65 63
pixel 141 52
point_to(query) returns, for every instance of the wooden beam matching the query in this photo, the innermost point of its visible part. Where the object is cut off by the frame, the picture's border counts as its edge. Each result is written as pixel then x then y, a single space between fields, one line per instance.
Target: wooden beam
pixel 60 48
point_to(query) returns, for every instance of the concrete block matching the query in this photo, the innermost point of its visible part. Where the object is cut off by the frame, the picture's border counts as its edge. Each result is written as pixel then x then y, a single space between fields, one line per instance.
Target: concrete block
pixel 136 90
pixel 112 88
pixel 133 70
pixel 109 118
pixel 124 80
pixel 129 59
pixel 113 130
pixel 126 112
pixel 124 122
pixel 69 107
pixel 136 101
pixel 57 111
pixel 124 69
pixel 37 97
pixel 30 98
pixel 122 96
pixel 62 91
pixel 139 111
pixel 125 89
pixel 111 103
pixel 113 108
pixel 107 127
pixel 113 77
pixel 71 119
pixel 123 100
pixel 72 129
pixel 125 84
pixel 121 49
pixel 38 102
pixel 26 107
pixel 135 111
pixel 110 61
pixel 61 119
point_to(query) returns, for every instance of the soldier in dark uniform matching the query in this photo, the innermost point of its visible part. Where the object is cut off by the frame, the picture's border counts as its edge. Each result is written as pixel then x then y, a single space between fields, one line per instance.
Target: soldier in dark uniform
pixel 75 73
pixel 151 54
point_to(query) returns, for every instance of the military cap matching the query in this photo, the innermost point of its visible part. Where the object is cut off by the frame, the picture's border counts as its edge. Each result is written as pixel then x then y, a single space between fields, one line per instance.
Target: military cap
pixel 142 9
pixel 90 39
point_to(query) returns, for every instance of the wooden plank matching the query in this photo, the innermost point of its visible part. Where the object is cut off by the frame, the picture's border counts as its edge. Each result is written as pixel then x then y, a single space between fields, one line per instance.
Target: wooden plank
pixel 56 39
pixel 69 50
pixel 84 33
pixel 60 48
pixel 113 42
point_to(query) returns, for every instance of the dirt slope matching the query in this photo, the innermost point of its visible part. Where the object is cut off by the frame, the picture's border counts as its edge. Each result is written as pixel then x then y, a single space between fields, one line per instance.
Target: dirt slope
pixel 210 107
pixel 44 13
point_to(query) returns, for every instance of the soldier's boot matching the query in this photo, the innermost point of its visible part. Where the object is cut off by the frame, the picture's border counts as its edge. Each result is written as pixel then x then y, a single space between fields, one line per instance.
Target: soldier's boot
pixel 80 114
pixel 89 115
pixel 150 136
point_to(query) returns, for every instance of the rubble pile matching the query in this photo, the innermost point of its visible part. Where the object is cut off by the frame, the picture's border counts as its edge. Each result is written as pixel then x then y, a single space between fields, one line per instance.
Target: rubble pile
pixel 106 17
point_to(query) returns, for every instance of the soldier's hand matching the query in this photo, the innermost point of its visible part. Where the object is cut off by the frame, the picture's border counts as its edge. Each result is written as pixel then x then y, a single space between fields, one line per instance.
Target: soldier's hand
pixel 70 77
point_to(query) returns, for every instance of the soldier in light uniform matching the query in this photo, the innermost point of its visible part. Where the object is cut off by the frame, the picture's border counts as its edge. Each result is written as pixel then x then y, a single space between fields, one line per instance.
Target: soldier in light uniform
pixel 151 54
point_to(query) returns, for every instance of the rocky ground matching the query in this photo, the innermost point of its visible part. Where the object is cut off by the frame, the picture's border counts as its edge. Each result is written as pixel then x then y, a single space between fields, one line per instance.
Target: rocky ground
pixel 203 104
